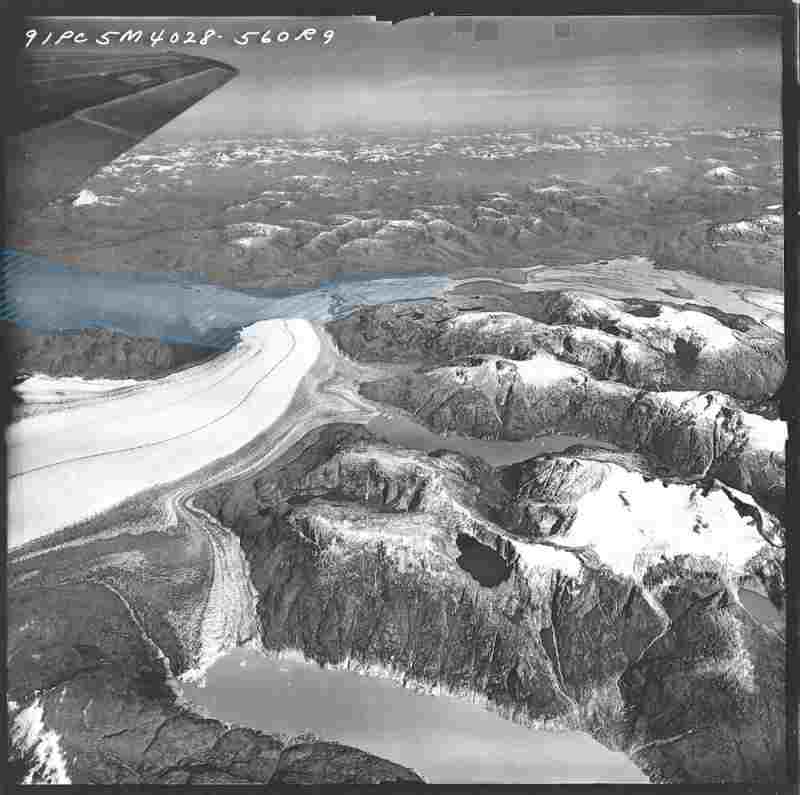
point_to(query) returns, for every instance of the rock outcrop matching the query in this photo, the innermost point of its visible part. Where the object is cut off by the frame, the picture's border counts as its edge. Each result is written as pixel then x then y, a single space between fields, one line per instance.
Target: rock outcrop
pixel 650 378
pixel 644 344
pixel 748 250
pixel 693 434
pixel 592 589
pixel 550 588
pixel 99 353
pixel 547 588
pixel 97 634
pixel 706 693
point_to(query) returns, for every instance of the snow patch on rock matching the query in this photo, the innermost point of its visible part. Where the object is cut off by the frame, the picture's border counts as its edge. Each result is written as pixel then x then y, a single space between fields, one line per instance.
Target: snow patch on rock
pixel 29 736
pixel 650 520
pixel 87 198
pixel 724 174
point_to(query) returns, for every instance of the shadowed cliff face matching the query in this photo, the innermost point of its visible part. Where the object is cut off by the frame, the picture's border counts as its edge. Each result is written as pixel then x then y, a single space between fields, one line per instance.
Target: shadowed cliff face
pixel 589 588
pixel 382 556
pixel 707 692
pixel 95 707
pixel 96 632
pixel 98 353
pixel 432 565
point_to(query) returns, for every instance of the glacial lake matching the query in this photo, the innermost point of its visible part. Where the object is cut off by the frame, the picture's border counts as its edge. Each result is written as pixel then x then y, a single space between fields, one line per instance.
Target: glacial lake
pixel 444 739
pixel 401 430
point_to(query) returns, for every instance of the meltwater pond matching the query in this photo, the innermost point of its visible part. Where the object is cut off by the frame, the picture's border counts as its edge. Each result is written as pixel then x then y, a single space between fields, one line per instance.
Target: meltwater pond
pixel 445 739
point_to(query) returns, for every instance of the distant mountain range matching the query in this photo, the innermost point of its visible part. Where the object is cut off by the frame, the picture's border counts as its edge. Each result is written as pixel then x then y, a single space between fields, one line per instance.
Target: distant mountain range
pixel 293 212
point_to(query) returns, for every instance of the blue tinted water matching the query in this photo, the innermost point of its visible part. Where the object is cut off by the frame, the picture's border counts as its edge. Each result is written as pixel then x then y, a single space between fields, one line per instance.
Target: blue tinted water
pixel 180 307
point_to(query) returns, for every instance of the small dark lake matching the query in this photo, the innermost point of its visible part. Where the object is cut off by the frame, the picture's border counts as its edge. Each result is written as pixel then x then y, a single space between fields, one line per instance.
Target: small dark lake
pixel 481 561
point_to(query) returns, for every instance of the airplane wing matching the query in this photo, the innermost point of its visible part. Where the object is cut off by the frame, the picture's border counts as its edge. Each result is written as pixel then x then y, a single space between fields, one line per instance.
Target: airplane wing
pixel 76 112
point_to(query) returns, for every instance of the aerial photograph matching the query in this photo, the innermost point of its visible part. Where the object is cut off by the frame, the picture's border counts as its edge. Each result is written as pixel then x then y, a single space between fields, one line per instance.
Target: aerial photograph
pixel 396 402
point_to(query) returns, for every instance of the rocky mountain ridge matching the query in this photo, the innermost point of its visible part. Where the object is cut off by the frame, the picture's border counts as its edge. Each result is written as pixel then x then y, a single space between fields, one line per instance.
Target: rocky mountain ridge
pixel 593 589
pixel 93 695
pixel 499 582
pixel 276 212
pixel 99 353
pixel 644 344
pixel 505 376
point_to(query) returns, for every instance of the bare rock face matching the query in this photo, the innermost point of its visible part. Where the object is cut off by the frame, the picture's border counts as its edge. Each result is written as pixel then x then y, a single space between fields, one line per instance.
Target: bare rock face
pixel 593 589
pixel 310 764
pixel 450 573
pixel 645 344
pixel 541 587
pixel 385 557
pixel 99 353
pixel 692 434
pixel 91 692
pixel 726 672
pixel 688 386
pixel 749 249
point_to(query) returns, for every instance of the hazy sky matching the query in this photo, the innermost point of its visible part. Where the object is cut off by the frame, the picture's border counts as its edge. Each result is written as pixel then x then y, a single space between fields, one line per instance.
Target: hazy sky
pixel 433 72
